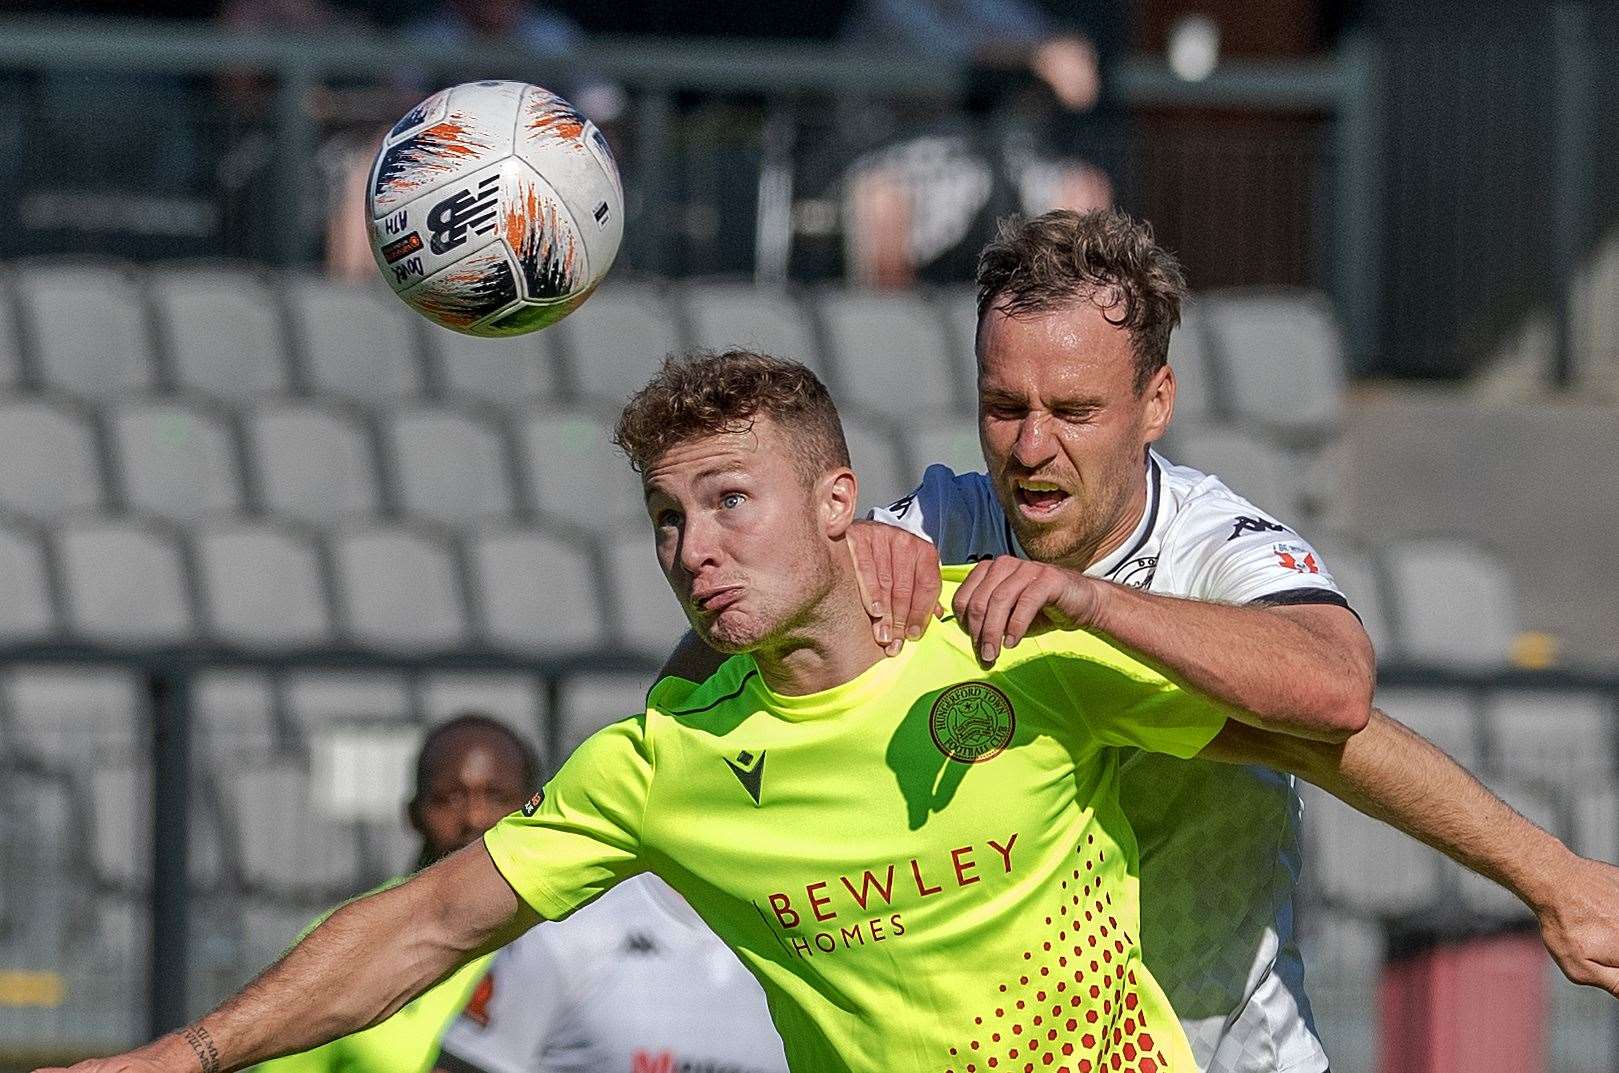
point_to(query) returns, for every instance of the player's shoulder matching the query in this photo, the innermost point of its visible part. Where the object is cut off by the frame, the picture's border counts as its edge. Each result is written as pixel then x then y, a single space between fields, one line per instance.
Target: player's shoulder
pixel 943 486
pixel 1207 510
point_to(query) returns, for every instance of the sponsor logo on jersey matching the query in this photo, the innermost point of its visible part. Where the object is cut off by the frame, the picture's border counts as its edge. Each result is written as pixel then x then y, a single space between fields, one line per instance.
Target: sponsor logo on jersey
pixel 643 1061
pixel 477 1010
pixel 903 504
pixel 972 722
pixel 1138 574
pixel 1244 524
pixel 749 771
pixel 1297 558
pixel 532 805
pixel 463 211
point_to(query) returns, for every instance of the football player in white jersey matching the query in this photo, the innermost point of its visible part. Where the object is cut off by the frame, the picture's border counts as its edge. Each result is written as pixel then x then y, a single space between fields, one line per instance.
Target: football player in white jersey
pixel 633 983
pixel 1076 312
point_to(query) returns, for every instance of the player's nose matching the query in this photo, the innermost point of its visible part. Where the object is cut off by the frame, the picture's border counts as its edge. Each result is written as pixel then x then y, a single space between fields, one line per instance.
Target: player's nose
pixel 1034 446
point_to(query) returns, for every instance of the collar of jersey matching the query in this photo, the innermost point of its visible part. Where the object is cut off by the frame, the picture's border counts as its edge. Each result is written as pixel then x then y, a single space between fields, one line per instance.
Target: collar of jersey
pixel 868 685
pixel 1143 529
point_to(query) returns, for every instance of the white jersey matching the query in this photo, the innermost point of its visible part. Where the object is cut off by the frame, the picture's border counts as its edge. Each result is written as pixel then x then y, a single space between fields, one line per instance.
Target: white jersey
pixel 632 983
pixel 1220 851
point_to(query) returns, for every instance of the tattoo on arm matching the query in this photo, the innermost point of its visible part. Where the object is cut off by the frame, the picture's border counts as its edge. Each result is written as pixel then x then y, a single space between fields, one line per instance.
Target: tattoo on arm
pixel 202 1044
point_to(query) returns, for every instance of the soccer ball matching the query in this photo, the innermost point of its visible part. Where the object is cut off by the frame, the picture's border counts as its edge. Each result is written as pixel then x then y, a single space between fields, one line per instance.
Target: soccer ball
pixel 495 208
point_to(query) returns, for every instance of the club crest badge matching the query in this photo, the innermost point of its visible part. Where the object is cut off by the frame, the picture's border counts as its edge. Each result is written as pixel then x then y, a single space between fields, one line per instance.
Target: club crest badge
pixel 972 722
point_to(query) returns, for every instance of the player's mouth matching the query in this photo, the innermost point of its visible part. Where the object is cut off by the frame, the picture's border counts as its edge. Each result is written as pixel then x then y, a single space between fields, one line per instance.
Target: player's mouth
pixel 1039 500
pixel 714 600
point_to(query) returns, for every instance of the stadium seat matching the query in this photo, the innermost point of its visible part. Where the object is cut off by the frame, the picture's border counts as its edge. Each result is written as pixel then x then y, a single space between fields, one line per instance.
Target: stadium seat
pixel 314 462
pixel 1446 717
pixel 1191 355
pixel 512 373
pixel 88 328
pixel 891 352
pixel 26 613
pixel 261 585
pixel 70 715
pixel 537 593
pixel 650 620
pixel 234 718
pixel 120 794
pixel 223 332
pixel 575 475
pixel 1259 473
pixel 1355 571
pixel 1562 740
pixel 48 462
pixel 514 699
pixel 959 306
pixel 731 316
pixel 1594 811
pixel 451 466
pixel 316 698
pixel 124 582
pixel 177 462
pixel 591 701
pixel 1281 355
pixel 357 343
pixel 1363 865
pixel 952 443
pixel 617 339
pixel 1452 602
pixel 882 473
pixel 288 846
pixel 1343 957
pixel 10 339
pixel 398 589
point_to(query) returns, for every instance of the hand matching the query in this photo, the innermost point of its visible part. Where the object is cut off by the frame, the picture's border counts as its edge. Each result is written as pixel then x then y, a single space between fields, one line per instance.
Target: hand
pixel 1002 597
pixel 1069 66
pixel 1580 925
pixel 898 573
pixel 123 1063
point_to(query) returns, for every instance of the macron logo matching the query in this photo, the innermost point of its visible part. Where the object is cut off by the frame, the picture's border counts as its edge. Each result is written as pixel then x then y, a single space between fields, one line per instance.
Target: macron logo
pixel 749 771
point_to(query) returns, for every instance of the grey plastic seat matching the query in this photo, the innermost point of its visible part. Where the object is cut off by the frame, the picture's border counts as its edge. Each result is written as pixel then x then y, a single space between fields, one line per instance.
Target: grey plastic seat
pixel 1282 355
pixel 876 463
pixel 1191 356
pixel 576 475
pixel 537 592
pixel 1244 463
pixel 124 582
pixel 291 847
pixel 224 332
pixel 261 585
pixel 10 340
pixel 514 699
pixel 178 462
pixel 943 442
pixel 1595 813
pixel 1361 863
pixel 357 343
pixel 234 717
pixel 512 373
pixel 121 835
pixel 1446 717
pixel 731 316
pixel 314 462
pixel 592 701
pixel 1561 739
pixel 1453 603
pixel 649 616
pixel 48 463
pixel 89 329
pixel 316 698
pixel 72 714
pixel 451 466
pixel 399 589
pixel 959 307
pixel 618 338
pixel 26 613
pixel 891 351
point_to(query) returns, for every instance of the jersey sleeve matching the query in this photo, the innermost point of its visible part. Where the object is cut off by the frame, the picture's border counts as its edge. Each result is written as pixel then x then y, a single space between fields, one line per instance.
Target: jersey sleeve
pixel 513 1013
pixel 1123 701
pixel 1230 552
pixel 956 512
pixel 581 834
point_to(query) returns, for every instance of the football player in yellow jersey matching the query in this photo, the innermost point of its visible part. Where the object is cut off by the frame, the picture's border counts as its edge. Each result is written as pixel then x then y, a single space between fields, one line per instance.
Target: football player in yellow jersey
pixel 921 858
pixel 470 771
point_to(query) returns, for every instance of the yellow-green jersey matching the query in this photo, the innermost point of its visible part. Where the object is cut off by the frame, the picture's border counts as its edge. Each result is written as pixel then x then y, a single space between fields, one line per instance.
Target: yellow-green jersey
pixel 926 867
pixel 407 1042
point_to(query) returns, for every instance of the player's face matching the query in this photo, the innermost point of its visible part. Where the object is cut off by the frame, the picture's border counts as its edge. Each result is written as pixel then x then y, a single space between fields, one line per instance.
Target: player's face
pixel 1064 430
pixel 473 782
pixel 741 539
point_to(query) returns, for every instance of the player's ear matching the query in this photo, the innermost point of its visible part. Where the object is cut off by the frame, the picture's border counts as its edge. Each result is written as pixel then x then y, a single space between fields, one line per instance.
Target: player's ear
pixel 1159 395
pixel 839 492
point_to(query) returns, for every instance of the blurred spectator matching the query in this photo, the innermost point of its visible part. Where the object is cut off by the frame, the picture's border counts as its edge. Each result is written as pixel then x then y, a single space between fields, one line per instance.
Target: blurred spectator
pixel 914 200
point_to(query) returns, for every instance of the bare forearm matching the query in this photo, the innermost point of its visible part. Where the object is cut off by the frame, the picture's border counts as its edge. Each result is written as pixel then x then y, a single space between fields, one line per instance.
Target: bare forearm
pixel 359 967
pixel 1307 673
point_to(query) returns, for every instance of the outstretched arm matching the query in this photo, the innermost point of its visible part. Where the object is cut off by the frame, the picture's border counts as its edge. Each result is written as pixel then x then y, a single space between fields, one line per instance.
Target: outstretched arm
pixel 1393 774
pixel 359 967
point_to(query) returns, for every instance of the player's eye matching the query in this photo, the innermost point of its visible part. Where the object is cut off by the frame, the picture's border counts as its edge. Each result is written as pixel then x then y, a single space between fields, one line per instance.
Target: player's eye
pixel 1078 414
pixel 668 519
pixel 732 500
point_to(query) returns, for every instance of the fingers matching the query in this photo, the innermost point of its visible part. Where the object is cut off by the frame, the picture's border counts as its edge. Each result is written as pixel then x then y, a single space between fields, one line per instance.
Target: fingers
pixel 870 569
pixel 901 616
pixel 983 607
pixel 925 588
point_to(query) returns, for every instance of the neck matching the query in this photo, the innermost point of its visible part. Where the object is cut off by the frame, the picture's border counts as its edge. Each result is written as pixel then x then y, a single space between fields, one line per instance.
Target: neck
pixel 831 643
pixel 1135 506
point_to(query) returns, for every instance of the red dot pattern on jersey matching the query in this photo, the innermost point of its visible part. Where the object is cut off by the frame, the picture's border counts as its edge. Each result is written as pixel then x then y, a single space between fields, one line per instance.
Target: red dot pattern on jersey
pixel 1113 1033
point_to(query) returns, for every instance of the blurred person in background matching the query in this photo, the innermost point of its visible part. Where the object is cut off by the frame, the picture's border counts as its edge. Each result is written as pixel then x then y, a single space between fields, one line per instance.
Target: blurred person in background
pixel 925 201
pixel 471 771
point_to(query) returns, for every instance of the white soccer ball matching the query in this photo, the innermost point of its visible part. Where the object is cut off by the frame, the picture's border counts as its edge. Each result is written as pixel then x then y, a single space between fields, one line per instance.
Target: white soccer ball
pixel 495 208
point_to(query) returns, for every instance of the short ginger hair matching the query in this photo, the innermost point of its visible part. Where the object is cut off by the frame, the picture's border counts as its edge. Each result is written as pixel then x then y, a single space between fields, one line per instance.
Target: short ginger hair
pixel 711 393
pixel 1042 263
